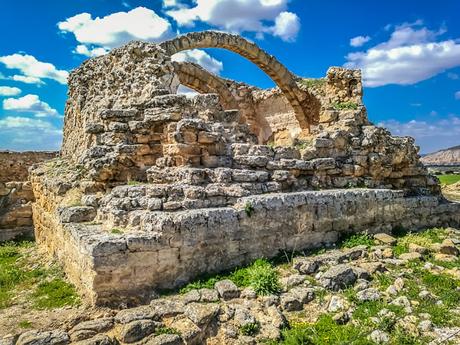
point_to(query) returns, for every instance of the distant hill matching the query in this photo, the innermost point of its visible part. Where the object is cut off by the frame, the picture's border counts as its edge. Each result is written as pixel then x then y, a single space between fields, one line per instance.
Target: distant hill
pixel 450 156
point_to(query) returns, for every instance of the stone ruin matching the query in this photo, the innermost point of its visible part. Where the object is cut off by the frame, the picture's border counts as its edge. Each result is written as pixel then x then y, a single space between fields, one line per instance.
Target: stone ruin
pixel 154 188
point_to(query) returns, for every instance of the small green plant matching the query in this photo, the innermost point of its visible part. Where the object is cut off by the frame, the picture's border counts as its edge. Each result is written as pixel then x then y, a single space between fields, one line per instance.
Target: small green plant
pixel 301 144
pixel 248 208
pixel 261 276
pixel 345 106
pixel 270 144
pixel 250 329
pixel 310 82
pixel 134 183
pixel 25 324
pixel 166 330
pixel 353 240
pixel 54 294
pixel 117 231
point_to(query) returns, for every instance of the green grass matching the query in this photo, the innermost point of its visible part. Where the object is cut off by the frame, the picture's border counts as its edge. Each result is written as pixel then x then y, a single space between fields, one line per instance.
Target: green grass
pixel 250 329
pixel 260 275
pixel 25 324
pixel 353 240
pixel 345 106
pixel 324 332
pixel 449 178
pixel 300 144
pixel 309 82
pixel 19 275
pixel 54 294
pixel 166 330
pixel 116 231
pixel 424 238
pixel 248 208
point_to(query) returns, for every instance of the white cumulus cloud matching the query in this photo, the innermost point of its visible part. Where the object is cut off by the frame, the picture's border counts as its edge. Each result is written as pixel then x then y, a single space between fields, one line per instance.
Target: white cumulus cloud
pixel 22 133
pixel 33 71
pixel 30 104
pixel 258 16
pixel 413 53
pixel 100 34
pixel 358 41
pixel 201 58
pixel 430 136
pixel 9 91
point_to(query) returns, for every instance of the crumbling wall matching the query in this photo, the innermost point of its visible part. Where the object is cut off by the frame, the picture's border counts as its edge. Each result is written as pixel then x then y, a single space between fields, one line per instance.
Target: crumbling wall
pixel 16 194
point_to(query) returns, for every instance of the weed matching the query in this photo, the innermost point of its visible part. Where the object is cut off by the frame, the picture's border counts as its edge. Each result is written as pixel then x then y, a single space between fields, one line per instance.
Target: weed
pixel 250 329
pixel 248 208
pixel 54 294
pixel 300 144
pixel 261 276
pixel 325 331
pixel 25 324
pixel 166 330
pixel 310 82
pixel 117 231
pixel 353 240
pixel 134 183
pixel 345 106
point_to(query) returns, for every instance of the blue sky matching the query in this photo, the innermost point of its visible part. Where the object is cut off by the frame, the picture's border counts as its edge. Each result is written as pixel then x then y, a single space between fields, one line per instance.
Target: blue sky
pixel 409 52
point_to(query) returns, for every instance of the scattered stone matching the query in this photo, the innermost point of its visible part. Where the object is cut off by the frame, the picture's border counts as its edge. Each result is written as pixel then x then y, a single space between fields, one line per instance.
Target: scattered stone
pixel 370 294
pixel 208 295
pixel 97 325
pixel 379 337
pixel 372 267
pixel 137 330
pixel 305 295
pixel 292 280
pixel 445 257
pixel 243 317
pixel 425 326
pixel 138 313
pixel 341 318
pixel 201 314
pixel 306 266
pixel 165 339
pixel 385 239
pixel 192 296
pixel 189 331
pixel 417 249
pixel 338 277
pixel 361 284
pixel 57 337
pixel 290 302
pixel 448 247
pixel 100 339
pixel 227 289
pixel 336 304
pixel 410 256
pixel 248 293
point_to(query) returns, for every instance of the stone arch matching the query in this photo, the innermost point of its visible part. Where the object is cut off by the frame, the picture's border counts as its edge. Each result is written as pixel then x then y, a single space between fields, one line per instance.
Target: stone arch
pixel 268 63
pixel 200 80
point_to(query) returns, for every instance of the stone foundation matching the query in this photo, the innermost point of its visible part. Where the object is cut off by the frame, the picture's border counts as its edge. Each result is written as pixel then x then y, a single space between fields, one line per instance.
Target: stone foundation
pixel 16 194
pixel 168 249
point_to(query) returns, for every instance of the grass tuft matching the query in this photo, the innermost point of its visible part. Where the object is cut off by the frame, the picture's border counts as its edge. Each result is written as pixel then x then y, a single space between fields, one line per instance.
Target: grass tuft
pixel 353 240
pixel 54 294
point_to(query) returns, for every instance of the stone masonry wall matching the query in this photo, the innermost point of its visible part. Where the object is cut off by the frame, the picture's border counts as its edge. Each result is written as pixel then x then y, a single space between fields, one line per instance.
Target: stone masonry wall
pixel 16 194
pixel 167 249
